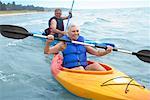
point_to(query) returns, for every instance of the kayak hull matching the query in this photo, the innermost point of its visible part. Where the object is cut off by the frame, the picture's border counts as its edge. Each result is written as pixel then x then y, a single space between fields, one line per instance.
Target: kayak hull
pixel 105 85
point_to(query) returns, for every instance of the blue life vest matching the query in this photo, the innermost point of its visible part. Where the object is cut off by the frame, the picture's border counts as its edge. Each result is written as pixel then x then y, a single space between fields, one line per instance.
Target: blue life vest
pixel 74 54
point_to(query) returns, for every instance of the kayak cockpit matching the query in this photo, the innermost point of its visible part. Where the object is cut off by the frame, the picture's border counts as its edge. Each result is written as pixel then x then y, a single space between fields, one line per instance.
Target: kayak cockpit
pixel 109 70
pixel 58 60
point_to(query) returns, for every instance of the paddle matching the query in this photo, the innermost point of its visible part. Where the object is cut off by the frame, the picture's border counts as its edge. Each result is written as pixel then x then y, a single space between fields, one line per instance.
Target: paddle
pixel 16 32
pixel 69 15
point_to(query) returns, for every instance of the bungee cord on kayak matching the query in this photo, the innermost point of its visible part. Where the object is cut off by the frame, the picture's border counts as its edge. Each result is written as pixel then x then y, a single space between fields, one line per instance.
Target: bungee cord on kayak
pixel 106 83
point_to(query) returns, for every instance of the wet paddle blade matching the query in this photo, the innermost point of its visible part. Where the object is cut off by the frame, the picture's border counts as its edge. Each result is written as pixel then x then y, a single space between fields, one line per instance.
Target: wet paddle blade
pixel 144 55
pixel 14 32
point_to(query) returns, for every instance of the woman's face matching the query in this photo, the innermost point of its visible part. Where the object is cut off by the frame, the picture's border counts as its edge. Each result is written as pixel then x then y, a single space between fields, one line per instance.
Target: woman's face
pixel 74 33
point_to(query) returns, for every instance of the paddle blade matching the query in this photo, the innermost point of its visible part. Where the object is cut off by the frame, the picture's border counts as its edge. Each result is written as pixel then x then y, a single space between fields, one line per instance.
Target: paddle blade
pixel 14 32
pixel 144 55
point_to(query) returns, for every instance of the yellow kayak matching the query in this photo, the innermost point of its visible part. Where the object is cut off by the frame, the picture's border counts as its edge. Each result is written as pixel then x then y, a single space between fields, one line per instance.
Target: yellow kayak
pixel 100 85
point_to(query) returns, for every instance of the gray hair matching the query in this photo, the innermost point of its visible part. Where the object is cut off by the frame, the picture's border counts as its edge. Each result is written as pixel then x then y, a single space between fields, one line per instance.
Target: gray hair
pixel 57 9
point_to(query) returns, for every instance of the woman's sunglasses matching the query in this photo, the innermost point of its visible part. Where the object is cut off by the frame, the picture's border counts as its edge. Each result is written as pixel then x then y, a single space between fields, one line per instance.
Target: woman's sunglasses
pixel 75 31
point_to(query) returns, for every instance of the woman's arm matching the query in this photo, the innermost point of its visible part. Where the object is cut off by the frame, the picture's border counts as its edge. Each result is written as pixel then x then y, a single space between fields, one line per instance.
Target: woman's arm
pixel 54 49
pixel 93 51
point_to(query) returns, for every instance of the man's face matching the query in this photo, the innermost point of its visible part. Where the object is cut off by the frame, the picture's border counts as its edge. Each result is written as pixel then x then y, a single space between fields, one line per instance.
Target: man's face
pixel 58 14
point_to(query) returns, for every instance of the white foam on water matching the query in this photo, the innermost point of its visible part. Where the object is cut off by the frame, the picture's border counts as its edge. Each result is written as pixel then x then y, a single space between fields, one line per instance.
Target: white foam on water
pixel 14 43
pixel 6 77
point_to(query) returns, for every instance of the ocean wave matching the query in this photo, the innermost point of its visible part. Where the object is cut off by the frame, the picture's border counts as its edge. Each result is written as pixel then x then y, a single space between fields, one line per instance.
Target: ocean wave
pixel 95 22
pixel 102 20
pixel 144 47
pixel 121 42
pixel 32 22
pixel 87 23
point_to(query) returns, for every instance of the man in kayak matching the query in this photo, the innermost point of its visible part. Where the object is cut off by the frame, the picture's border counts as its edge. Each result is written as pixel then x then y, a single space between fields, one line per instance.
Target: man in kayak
pixel 56 25
pixel 74 55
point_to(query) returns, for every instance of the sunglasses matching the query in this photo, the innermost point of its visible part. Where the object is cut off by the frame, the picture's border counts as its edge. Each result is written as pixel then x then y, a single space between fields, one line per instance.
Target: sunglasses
pixel 75 31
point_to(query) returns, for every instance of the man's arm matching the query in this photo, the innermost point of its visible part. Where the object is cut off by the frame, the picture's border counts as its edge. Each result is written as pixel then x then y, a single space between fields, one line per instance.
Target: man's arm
pixel 67 17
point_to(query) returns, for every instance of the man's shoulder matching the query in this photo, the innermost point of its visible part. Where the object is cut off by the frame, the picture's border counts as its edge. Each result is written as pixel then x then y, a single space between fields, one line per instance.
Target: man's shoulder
pixel 53 21
pixel 52 18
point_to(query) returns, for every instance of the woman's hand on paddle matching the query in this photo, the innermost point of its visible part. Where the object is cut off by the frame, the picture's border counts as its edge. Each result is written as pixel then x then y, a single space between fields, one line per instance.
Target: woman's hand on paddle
pixel 109 49
pixel 64 33
pixel 50 38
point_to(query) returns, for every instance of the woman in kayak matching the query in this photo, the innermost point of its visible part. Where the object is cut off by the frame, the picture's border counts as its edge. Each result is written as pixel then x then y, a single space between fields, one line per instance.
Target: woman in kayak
pixel 74 55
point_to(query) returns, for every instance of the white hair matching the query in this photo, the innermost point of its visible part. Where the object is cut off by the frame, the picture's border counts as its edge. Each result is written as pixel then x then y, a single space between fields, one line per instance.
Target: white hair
pixel 72 25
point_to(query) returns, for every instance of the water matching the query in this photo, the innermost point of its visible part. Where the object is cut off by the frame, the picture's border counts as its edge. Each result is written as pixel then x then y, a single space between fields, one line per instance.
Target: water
pixel 25 70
